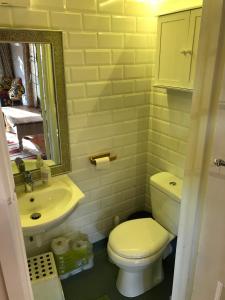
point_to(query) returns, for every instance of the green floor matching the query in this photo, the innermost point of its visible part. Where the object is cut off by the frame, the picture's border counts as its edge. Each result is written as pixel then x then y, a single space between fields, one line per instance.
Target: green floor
pixel 99 282
pixel 103 298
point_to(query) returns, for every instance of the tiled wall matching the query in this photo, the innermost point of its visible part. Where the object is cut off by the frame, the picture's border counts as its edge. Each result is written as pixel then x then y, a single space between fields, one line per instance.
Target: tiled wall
pixel 109 49
pixel 168 133
pixel 169 118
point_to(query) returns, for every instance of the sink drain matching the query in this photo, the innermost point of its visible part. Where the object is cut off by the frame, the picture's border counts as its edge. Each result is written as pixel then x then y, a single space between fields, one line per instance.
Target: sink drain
pixel 35 216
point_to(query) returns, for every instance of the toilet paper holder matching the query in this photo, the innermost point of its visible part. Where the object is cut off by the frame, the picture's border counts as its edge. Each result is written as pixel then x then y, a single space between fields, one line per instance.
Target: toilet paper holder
pixel 93 158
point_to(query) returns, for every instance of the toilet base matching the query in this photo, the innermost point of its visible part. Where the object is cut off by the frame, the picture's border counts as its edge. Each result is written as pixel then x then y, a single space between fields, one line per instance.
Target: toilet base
pixel 134 283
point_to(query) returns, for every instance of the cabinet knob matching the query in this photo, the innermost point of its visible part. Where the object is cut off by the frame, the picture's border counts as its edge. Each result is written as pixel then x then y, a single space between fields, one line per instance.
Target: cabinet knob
pixel 186 51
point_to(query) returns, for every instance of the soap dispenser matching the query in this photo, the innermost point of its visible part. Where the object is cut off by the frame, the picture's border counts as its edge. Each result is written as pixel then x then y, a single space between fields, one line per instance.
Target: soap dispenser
pixel 39 161
pixel 45 173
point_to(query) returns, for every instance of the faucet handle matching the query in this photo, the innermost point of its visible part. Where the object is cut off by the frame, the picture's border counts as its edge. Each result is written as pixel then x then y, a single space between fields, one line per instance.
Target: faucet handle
pixel 28 176
pixel 20 164
pixel 28 182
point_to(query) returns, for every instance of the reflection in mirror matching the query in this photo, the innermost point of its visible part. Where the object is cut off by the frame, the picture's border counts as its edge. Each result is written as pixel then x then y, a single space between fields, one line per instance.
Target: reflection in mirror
pixel 33 100
pixel 27 98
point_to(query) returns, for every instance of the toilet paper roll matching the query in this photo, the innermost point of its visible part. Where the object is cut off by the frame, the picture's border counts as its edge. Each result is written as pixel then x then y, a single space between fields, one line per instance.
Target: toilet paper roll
pixel 81 249
pixel 102 163
pixel 80 245
pixel 60 245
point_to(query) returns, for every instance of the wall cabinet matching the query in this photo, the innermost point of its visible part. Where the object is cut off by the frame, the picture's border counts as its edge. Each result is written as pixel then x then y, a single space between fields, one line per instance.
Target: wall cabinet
pixel 177 45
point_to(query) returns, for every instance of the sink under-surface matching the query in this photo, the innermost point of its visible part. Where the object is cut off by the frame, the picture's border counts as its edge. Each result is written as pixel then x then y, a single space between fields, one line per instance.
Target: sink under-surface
pixel 47 206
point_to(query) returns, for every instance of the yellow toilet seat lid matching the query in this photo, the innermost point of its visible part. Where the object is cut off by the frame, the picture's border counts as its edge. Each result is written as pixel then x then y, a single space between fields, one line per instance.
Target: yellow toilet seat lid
pixel 138 238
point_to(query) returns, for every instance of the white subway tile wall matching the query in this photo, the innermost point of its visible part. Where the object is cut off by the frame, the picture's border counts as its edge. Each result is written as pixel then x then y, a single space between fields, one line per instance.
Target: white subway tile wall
pixel 109 49
pixel 169 123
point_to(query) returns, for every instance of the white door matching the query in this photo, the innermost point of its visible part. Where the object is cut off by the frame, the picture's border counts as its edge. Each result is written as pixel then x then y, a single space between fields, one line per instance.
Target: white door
pixel 13 264
pixel 200 258
pixel 210 266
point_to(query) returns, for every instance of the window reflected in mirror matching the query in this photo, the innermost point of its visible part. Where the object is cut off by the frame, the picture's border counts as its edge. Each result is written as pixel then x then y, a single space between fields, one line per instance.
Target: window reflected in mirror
pixel 28 102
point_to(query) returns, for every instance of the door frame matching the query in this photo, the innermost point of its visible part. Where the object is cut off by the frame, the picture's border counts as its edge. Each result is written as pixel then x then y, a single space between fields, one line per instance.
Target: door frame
pixel 12 251
pixel 204 103
pixel 13 259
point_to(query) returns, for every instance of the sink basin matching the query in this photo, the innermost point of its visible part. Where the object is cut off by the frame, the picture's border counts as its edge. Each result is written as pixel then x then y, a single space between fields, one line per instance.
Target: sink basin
pixel 47 206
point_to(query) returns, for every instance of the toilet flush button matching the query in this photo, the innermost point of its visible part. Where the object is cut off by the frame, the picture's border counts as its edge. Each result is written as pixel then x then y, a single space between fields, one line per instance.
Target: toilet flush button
pixel 173 183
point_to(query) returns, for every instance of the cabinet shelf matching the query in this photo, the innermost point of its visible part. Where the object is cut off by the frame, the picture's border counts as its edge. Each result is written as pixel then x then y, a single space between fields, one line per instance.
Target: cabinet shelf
pixel 177 88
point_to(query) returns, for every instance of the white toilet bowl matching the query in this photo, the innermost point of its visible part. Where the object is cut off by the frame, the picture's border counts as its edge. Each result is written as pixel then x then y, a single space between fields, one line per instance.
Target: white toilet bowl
pixel 137 247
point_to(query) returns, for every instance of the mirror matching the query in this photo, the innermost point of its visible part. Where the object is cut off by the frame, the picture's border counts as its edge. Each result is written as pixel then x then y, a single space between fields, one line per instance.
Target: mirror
pixel 33 100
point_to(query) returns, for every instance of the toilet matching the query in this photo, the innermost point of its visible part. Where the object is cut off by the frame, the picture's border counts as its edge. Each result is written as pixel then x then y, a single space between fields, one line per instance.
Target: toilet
pixel 138 246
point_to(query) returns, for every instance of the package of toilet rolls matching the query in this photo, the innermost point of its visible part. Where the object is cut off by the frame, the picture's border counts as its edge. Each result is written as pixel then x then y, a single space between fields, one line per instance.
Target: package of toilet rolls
pixel 72 255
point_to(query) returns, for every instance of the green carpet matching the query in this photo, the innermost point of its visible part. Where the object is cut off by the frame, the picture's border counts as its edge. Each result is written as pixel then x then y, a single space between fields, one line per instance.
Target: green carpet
pixel 103 298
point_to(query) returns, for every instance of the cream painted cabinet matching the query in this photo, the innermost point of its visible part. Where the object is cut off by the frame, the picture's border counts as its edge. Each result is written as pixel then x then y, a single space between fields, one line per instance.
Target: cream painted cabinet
pixel 177 45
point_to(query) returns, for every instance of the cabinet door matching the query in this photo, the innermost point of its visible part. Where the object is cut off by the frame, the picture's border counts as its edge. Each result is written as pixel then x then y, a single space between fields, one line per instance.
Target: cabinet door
pixel 172 66
pixel 193 37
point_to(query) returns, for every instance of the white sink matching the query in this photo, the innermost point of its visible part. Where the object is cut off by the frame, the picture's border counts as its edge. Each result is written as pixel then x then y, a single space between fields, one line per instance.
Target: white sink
pixel 47 206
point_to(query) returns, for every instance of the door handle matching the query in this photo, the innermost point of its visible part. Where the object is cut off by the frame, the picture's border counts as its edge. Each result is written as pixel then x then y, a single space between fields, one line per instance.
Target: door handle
pixel 186 51
pixel 183 51
pixel 219 162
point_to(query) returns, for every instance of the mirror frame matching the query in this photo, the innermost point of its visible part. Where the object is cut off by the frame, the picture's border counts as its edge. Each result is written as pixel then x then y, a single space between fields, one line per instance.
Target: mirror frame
pixel 54 38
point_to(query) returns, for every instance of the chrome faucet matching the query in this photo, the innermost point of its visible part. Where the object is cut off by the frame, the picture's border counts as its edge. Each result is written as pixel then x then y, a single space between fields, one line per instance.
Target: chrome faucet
pixel 28 181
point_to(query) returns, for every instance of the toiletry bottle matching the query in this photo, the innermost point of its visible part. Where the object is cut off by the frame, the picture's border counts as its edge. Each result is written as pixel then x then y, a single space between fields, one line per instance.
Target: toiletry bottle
pixel 45 173
pixel 39 161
